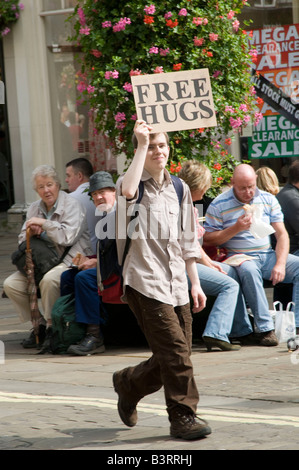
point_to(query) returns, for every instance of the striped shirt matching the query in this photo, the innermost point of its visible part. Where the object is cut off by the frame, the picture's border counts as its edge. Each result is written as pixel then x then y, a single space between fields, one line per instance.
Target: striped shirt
pixel 226 209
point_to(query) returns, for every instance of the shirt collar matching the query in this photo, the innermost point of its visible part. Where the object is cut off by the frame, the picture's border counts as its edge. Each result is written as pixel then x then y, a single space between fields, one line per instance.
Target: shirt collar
pixel 147 176
pixel 48 214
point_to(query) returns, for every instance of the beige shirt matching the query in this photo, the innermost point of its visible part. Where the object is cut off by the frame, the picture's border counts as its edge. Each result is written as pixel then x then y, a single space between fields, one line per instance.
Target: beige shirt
pixel 164 238
pixel 67 226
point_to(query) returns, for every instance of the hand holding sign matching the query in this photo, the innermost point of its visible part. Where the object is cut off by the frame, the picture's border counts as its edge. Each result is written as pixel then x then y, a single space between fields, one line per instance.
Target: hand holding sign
pixel 175 101
pixel 142 131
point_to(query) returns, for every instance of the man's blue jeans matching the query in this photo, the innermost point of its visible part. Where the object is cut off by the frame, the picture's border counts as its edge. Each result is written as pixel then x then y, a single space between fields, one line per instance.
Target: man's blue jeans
pixel 252 273
pixel 83 284
pixel 228 316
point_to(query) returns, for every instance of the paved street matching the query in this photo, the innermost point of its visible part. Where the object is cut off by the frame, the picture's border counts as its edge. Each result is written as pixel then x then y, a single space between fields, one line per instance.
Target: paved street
pixel 250 397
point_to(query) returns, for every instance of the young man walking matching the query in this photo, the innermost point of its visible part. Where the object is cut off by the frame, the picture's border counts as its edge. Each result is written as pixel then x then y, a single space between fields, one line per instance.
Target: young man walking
pixel 156 289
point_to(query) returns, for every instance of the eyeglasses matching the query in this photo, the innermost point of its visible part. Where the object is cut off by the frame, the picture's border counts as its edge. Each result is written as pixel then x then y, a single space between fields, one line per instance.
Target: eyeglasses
pixel 42 187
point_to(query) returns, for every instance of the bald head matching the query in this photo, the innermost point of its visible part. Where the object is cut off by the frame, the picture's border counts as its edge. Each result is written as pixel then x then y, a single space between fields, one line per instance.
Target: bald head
pixel 244 183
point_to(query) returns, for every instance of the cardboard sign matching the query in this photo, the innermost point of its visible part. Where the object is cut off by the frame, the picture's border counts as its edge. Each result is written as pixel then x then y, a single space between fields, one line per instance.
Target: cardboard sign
pixel 175 101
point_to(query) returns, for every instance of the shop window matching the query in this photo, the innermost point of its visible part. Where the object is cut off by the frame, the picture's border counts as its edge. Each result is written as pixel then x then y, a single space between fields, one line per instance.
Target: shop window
pixel 72 120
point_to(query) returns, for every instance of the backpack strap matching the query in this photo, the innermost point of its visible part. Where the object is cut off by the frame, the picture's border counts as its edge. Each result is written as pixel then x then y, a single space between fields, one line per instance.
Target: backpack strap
pixel 178 186
pixel 128 240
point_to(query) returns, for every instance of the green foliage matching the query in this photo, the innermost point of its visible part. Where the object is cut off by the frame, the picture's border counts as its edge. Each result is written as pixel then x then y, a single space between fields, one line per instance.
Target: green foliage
pixel 9 14
pixel 122 38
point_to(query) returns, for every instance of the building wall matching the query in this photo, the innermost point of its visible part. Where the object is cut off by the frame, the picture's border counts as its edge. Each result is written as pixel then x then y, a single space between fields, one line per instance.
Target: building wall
pixel 28 100
pixel 35 54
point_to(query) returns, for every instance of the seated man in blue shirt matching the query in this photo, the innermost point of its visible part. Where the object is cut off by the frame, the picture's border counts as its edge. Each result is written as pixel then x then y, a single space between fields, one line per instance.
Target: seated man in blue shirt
pixel 228 224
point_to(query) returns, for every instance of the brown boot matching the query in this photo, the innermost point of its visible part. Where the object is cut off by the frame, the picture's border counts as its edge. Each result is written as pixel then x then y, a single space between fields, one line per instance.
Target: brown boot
pixel 185 424
pixel 268 338
pixel 126 407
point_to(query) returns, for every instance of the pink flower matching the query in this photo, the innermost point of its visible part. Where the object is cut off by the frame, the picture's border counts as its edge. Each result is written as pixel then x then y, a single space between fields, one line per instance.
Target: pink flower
pixel 150 10
pixel 121 125
pixel 128 87
pixel 134 117
pixel 217 73
pixel 164 52
pixel 114 74
pixel 243 107
pixel 96 53
pixel 257 117
pixel 85 30
pixel 229 109
pixel 246 119
pixel 120 117
pixel 21 6
pixel 154 50
pixel 159 69
pixel 236 25
pixel 235 123
pixel 216 145
pixel 198 41
pixel 121 25
pixel 109 74
pixel 106 24
pixel 213 37
pixel 135 72
pixel 230 14
pixel 90 89
pixel 183 12
pixel 253 54
pixel 81 15
pixel 168 15
pixel 199 21
pixel 5 31
pixel 81 87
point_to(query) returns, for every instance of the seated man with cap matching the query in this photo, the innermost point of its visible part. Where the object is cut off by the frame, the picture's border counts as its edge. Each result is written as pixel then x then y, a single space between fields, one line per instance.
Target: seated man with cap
pixel 82 281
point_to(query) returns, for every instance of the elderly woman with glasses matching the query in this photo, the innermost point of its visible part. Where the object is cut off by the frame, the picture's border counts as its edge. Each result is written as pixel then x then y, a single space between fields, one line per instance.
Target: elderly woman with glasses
pixel 61 219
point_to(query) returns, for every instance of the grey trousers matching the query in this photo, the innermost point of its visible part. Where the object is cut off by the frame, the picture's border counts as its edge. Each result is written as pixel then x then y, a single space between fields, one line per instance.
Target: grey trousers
pixel 168 331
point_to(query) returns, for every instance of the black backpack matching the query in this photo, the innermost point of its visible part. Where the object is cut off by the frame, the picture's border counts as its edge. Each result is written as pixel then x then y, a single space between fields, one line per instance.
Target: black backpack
pixel 44 257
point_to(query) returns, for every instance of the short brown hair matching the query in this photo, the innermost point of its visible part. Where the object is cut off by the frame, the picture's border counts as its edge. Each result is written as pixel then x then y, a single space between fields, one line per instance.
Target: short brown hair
pixel 152 136
pixel 293 176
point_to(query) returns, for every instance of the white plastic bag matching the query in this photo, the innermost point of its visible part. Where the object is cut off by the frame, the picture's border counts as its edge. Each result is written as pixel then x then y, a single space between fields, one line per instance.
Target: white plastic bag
pixel 285 326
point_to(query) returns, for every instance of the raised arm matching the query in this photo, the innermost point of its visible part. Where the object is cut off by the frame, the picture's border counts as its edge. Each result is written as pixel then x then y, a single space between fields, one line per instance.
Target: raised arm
pixel 133 174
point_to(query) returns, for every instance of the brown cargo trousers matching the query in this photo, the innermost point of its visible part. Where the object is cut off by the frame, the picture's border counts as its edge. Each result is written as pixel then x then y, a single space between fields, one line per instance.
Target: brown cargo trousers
pixel 168 331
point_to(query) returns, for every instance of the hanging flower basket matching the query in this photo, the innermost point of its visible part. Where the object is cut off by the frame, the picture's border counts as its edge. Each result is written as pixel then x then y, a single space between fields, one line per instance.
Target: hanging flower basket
pixel 9 14
pixel 123 38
